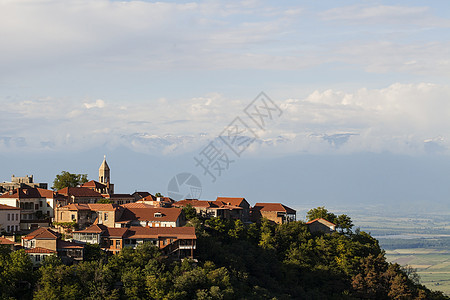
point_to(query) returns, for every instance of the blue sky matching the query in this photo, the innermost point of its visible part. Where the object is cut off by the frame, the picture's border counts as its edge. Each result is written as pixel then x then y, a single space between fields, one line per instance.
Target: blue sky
pixel 164 78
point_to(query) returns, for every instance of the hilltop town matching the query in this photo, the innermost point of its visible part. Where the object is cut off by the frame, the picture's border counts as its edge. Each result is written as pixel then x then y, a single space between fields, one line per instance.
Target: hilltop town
pixel 61 222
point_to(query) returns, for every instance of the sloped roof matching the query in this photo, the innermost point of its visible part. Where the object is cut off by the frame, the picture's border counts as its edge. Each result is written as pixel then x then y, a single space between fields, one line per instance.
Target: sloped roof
pixel 121 196
pixel 136 232
pixel 102 206
pixel 96 228
pixel 24 193
pixel 60 244
pixel 4 241
pixel 149 197
pixel 104 165
pixel 8 207
pixel 116 232
pixel 40 250
pixel 137 204
pixel 196 203
pixel 94 184
pixel 231 201
pixel 148 214
pixel 322 221
pixel 76 206
pixel 42 233
pixel 278 207
pixel 79 192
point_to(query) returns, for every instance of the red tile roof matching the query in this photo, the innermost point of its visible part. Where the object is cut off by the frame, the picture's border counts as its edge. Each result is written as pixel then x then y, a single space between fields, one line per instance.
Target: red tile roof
pixel 231 201
pixel 4 241
pixel 136 232
pixel 76 206
pixel 96 228
pixel 60 244
pixel 102 206
pixel 116 232
pixel 26 193
pixel 321 220
pixel 136 205
pixel 278 207
pixel 7 207
pixel 196 203
pixel 94 184
pixel 148 214
pixel 79 192
pixel 42 233
pixel 149 197
pixel 40 250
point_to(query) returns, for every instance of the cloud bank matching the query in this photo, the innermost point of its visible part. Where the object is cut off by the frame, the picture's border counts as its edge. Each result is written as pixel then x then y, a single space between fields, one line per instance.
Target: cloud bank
pixel 401 118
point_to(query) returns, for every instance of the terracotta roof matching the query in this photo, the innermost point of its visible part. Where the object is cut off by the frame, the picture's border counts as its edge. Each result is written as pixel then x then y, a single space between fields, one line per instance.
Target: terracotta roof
pixel 4 241
pixel 149 197
pixel 76 206
pixel 60 244
pixel 321 220
pixel 79 192
pixel 96 228
pixel 148 214
pixel 116 232
pixel 142 194
pixel 39 250
pixel 231 201
pixel 196 203
pixel 42 233
pixel 102 206
pixel 273 207
pixel 94 184
pixel 137 204
pixel 24 193
pixel 7 207
pixel 136 232
pixel 121 196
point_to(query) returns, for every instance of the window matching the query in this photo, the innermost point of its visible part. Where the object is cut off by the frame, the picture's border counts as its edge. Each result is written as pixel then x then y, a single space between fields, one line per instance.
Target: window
pixel 8 228
pixel 36 206
pixel 73 217
pixel 17 227
pixel 106 216
pixel 9 217
pixel 40 203
pixel 117 243
pixel 38 257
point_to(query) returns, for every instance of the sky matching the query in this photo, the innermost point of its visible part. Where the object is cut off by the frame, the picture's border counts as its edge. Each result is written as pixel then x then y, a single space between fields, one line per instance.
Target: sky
pixel 159 81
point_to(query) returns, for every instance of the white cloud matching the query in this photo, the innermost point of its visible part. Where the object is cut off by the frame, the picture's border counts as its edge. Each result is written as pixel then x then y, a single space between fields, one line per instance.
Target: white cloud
pixel 401 118
pixel 97 104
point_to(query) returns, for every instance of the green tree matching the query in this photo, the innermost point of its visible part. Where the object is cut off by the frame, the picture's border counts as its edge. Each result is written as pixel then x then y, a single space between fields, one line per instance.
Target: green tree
pixel 66 179
pixel 158 195
pixel 320 212
pixel 104 201
pixel 189 212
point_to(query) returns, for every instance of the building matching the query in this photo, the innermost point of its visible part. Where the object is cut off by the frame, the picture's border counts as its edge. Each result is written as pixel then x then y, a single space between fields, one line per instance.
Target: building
pixel 9 218
pixel 151 217
pixel 157 201
pixel 204 208
pixel 84 215
pixel 239 208
pixel 104 177
pixel 46 238
pixel 321 225
pixel 20 182
pixel 80 195
pixel 38 255
pixel 275 212
pixel 36 205
pixel 173 241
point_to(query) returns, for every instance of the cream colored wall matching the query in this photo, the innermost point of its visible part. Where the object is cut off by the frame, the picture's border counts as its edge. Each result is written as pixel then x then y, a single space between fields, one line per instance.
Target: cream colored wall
pixel 4 223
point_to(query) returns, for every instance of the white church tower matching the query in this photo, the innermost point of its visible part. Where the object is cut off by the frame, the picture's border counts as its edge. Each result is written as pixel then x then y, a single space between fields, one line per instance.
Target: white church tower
pixel 104 176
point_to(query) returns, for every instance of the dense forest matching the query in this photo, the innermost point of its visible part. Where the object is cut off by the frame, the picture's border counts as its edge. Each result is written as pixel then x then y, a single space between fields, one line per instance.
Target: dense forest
pixel 233 261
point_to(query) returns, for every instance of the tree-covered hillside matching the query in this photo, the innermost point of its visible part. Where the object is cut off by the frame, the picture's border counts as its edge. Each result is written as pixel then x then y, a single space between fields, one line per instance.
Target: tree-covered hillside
pixel 234 261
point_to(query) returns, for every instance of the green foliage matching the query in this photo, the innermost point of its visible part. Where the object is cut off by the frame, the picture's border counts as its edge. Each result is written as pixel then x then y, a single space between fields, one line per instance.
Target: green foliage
pixel 104 201
pixel 66 179
pixel 189 212
pixel 158 195
pixel 234 261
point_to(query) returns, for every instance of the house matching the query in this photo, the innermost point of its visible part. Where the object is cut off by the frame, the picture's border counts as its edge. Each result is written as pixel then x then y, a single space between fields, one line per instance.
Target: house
pixel 96 186
pixel 119 199
pixel 20 182
pixel 9 218
pixel 8 243
pixel 157 201
pixel 46 238
pixel 275 212
pixel 151 216
pixel 239 207
pixel 38 255
pixel 36 205
pixel 140 195
pixel 85 215
pixel 175 241
pixel 80 195
pixel 204 208
pixel 321 225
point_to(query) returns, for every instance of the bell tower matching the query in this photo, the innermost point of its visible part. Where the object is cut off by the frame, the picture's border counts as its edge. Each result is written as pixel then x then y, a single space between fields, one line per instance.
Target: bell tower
pixel 103 172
